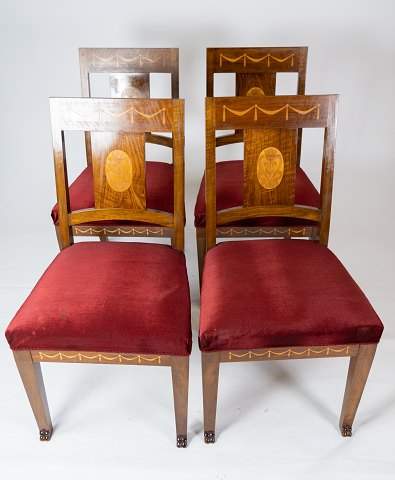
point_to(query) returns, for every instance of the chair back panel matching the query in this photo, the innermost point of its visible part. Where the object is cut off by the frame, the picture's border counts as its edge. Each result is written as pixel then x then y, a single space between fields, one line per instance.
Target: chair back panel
pixel 119 170
pixel 118 129
pixel 136 85
pixel 270 126
pixel 255 84
pixel 269 167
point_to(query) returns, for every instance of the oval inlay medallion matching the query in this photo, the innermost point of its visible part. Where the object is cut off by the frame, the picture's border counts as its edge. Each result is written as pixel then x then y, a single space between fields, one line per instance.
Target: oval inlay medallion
pixel 255 92
pixel 270 168
pixel 119 170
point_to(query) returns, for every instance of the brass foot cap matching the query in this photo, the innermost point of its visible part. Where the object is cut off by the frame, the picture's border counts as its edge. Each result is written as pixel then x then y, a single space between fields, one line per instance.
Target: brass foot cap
pixel 209 437
pixel 45 435
pixel 182 441
pixel 346 430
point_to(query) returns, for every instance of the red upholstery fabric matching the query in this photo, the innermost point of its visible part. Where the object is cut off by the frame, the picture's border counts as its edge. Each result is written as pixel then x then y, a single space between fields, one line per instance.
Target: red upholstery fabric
pixel 280 293
pixel 159 183
pixel 230 194
pixel 110 297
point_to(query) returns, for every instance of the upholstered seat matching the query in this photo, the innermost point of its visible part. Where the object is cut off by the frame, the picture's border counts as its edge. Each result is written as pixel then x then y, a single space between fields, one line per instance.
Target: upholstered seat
pixel 229 189
pixel 109 297
pixel 159 185
pixel 259 294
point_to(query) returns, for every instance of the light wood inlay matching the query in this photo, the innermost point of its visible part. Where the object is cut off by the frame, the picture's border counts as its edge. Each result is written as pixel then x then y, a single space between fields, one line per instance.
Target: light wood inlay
pixel 94 357
pixel 292 352
pixel 120 59
pixel 122 231
pixel 245 57
pixel 119 170
pixel 270 168
pixel 256 108
pixel 255 92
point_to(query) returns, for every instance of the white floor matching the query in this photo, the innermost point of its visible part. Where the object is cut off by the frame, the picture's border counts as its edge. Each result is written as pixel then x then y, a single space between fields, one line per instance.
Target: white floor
pixel 275 419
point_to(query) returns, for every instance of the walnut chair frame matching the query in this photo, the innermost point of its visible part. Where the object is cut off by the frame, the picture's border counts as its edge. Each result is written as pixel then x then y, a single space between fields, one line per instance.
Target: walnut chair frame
pixel 256 70
pixel 129 72
pixel 258 119
pixel 120 118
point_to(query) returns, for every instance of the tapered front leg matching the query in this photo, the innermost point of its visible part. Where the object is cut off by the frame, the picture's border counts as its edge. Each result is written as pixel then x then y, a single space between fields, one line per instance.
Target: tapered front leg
pixel 32 379
pixel 180 376
pixel 210 373
pixel 357 376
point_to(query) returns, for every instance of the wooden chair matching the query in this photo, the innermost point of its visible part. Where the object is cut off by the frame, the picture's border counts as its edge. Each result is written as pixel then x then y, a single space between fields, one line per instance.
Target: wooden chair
pixel 129 70
pixel 272 299
pixel 117 302
pixel 255 72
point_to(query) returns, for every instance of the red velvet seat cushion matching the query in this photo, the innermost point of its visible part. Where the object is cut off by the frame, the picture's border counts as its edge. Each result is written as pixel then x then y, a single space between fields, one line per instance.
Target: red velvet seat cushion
pixel 110 297
pixel 230 195
pixel 159 184
pixel 281 293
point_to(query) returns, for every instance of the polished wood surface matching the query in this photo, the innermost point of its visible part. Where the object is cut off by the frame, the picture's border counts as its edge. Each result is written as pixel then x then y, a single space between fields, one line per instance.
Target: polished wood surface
pixel 114 358
pixel 30 372
pixel 269 167
pixel 257 60
pixel 210 376
pixel 136 85
pixel 180 379
pixel 284 353
pixel 357 376
pixel 119 170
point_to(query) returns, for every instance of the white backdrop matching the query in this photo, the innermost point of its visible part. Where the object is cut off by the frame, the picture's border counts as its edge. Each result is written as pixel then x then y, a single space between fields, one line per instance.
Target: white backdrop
pixel 352 53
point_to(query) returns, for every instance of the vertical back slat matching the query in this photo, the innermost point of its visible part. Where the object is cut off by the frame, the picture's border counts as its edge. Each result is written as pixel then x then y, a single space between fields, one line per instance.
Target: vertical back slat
pixel 211 203
pixel 269 167
pixel 210 72
pixel 301 91
pixel 175 69
pixel 119 170
pixel 255 84
pixel 129 85
pixel 179 177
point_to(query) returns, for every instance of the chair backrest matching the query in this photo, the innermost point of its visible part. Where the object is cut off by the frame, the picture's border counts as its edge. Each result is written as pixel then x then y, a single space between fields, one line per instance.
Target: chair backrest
pixel 129 72
pixel 270 130
pixel 256 74
pixel 256 68
pixel 117 128
pixel 129 69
